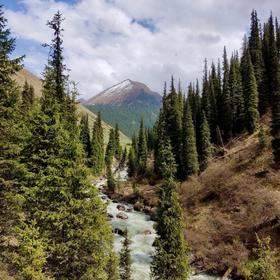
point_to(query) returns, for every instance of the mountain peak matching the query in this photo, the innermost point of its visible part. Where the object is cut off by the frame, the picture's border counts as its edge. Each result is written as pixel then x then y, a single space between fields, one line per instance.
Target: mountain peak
pixel 126 92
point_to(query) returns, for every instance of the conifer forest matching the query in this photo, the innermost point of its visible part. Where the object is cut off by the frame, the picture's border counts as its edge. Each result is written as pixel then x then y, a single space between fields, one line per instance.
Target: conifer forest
pixel 192 194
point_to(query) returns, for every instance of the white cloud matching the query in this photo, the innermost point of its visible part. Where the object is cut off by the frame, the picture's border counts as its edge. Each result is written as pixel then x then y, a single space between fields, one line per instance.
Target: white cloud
pixel 103 47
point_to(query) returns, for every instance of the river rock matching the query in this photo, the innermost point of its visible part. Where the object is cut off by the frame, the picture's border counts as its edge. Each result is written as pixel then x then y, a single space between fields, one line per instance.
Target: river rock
pixel 119 231
pixel 110 216
pixel 129 209
pixel 138 206
pixel 147 232
pixel 121 207
pixel 147 210
pixel 122 216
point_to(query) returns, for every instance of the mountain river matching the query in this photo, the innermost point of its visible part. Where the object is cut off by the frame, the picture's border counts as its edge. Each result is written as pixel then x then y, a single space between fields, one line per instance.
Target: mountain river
pixel 141 232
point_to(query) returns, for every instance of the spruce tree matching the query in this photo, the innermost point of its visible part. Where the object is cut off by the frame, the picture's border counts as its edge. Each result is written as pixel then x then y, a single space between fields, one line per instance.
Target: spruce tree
pixel 173 123
pixel 125 258
pixel 226 113
pixel 118 146
pixel 189 155
pixel 132 163
pixel 275 122
pixel 110 149
pixel 251 94
pixel 142 149
pixel 255 49
pixel 58 196
pixel 206 148
pixel 97 145
pixel 237 97
pixel 85 136
pixel 205 98
pixel 166 162
pixel 29 259
pixel 170 260
pixel 27 96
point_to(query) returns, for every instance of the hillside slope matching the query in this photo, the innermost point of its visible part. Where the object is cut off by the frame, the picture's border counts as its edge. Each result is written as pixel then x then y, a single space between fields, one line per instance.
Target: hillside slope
pixel 24 75
pixel 125 103
pixel 235 198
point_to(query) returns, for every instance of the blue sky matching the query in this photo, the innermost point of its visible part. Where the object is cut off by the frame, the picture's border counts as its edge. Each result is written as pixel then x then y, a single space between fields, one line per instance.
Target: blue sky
pixel 107 41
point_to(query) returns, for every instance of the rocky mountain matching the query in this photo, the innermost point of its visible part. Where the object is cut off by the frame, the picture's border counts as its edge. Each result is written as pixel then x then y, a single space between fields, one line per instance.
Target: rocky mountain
pixel 24 75
pixel 125 103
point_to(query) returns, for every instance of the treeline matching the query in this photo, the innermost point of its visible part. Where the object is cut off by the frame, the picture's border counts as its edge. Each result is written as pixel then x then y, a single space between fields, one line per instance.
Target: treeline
pixel 52 222
pixel 234 94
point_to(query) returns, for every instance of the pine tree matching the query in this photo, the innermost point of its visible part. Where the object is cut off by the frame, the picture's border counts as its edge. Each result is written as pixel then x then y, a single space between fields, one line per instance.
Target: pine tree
pixel 142 149
pixel 189 156
pixel 275 122
pixel 132 163
pixel 237 97
pixel 262 138
pixel 226 113
pixel 125 258
pixel 213 114
pixel 110 149
pixel 251 94
pixel 206 148
pixel 118 146
pixel 84 136
pixel 123 159
pixel 166 162
pixel 170 260
pixel 29 259
pixel 205 98
pixel 97 145
pixel 27 96
pixel 255 49
pixel 173 123
pixel 58 196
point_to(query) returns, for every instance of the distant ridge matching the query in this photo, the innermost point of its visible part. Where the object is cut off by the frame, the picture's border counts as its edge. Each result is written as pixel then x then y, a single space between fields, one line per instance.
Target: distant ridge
pixel 125 103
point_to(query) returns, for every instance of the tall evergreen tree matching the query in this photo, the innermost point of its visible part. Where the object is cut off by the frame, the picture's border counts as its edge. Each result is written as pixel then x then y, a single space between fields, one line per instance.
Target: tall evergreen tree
pixel 255 49
pixel 206 148
pixel 58 196
pixel 275 122
pixel 27 96
pixel 110 149
pixel 171 115
pixel 166 162
pixel 189 156
pixel 251 94
pixel 226 113
pixel 237 97
pixel 170 260
pixel 118 146
pixel 132 163
pixel 85 136
pixel 205 98
pixel 125 258
pixel 97 145
pixel 142 149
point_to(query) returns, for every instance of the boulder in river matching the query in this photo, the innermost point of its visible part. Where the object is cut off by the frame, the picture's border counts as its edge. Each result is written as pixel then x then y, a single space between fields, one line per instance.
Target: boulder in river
pixel 138 206
pixel 147 232
pixel 121 207
pixel 129 209
pixel 122 216
pixel 119 231
pixel 110 216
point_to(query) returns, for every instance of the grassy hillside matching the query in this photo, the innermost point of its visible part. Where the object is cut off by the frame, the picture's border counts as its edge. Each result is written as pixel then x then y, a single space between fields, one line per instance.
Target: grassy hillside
pixel 25 75
pixel 235 198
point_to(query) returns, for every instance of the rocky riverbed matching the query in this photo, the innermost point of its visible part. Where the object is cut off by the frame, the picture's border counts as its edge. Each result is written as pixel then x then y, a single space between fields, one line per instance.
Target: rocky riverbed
pixel 141 232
